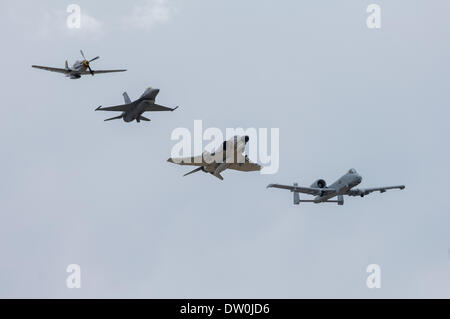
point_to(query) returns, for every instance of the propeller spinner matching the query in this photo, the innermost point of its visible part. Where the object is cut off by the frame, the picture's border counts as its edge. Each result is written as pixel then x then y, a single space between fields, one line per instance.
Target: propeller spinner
pixel 86 62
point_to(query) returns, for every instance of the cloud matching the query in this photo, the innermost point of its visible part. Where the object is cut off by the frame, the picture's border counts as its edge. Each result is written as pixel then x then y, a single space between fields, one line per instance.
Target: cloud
pixel 153 12
pixel 90 24
pixel 46 23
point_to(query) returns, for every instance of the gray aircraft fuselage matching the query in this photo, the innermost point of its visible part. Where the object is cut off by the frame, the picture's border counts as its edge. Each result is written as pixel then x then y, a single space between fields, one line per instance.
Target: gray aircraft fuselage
pixel 77 68
pixel 147 98
pixel 341 186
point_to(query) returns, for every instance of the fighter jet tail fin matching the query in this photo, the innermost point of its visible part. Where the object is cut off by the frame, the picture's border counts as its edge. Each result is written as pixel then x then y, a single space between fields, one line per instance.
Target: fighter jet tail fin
pixel 194 171
pixel 126 98
pixel 296 196
pixel 218 176
pixel 143 118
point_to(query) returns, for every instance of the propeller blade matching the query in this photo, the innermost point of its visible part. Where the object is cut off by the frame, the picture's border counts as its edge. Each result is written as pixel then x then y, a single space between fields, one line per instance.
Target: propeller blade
pixel 82 54
pixel 90 70
pixel 94 59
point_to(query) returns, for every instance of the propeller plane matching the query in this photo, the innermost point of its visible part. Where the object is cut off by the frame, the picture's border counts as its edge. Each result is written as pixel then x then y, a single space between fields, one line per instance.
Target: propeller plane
pixel 78 69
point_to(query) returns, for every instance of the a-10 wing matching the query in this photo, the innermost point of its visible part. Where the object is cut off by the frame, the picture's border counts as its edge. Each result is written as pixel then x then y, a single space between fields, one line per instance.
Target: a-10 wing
pixel 305 190
pixel 366 191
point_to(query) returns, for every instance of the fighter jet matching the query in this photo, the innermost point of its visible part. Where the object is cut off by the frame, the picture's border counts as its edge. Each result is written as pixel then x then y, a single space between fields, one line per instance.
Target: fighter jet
pixel 343 186
pixel 133 110
pixel 78 69
pixel 228 156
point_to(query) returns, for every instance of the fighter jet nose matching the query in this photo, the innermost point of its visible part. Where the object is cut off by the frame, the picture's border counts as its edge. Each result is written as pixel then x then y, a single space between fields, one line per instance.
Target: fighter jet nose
pixel 170 160
pixel 246 138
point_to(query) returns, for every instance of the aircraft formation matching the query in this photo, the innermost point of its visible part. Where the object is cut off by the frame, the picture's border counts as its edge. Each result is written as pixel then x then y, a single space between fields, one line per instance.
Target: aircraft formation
pixel 230 155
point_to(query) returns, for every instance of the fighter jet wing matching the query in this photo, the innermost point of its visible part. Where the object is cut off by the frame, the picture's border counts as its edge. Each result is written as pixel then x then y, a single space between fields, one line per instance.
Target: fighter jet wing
pixel 366 191
pixel 101 71
pixel 118 108
pixel 305 190
pixel 191 161
pixel 247 166
pixel 157 107
pixel 46 68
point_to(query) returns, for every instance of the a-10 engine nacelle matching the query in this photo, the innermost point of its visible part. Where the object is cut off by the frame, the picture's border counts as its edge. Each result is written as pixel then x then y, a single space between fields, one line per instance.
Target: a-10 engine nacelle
pixel 320 183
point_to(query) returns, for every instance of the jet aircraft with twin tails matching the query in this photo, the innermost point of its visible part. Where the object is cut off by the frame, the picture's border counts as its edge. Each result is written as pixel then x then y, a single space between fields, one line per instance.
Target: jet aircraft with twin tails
pixel 343 186
pixel 133 110
pixel 230 155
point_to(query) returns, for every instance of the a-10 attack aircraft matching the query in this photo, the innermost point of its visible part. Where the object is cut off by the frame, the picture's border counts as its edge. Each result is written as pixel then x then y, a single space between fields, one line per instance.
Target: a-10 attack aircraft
pixel 343 186
pixel 133 110
pixel 228 156
pixel 78 69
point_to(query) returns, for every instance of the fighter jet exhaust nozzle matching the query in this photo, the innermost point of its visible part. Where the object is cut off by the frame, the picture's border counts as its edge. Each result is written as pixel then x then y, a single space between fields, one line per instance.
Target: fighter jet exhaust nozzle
pixel 320 183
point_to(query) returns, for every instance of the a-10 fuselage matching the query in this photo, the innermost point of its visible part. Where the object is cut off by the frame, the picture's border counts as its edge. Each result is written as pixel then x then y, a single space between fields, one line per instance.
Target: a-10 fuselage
pixel 341 186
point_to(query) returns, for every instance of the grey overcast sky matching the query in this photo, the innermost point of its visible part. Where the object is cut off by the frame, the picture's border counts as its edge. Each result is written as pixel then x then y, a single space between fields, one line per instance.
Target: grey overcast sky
pixel 77 190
